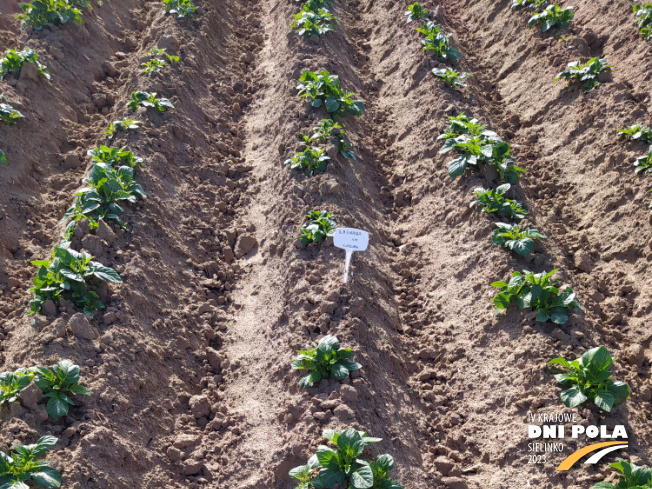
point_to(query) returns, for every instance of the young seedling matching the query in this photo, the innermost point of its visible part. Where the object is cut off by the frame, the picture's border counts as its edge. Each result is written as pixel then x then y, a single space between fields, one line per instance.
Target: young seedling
pixel 416 12
pixel 311 160
pixel 451 77
pixel 106 188
pixel 14 60
pixel 323 360
pixel 643 164
pixel 66 276
pixel 324 89
pixel 159 59
pixel 8 114
pixel 588 378
pixel 644 19
pixel 344 466
pixel 313 23
pixel 115 156
pixel 539 292
pixel 58 384
pixel 321 226
pixel 495 202
pixel 183 8
pixel 438 43
pixel 23 465
pixel 123 125
pixel 148 100
pixel 631 476
pixel 553 16
pixel 510 237
pixel 327 128
pixel 3 157
pixel 315 5
pixel 531 4
pixel 587 74
pixel 637 132
pixel 45 13
pixel 11 383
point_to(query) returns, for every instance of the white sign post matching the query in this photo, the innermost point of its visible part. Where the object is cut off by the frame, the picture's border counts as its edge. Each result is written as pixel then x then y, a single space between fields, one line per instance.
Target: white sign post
pixel 350 240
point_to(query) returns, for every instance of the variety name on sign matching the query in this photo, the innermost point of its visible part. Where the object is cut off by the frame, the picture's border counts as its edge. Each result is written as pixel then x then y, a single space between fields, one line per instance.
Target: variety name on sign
pixel 350 240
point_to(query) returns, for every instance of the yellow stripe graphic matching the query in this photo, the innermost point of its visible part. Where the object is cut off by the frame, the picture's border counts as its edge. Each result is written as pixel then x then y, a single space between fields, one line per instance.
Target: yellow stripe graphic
pixel 575 456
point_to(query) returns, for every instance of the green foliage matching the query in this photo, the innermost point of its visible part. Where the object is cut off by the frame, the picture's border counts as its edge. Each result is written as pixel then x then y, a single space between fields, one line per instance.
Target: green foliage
pixel 148 100
pixel 43 13
pixel 589 378
pixel 539 292
pixel 531 4
pixel 631 476
pixel 22 465
pixel 327 128
pixel 106 188
pixel 123 125
pixel 438 43
pixel 3 157
pixel 477 145
pixel 511 237
pixel 321 226
pixel 11 383
pixel 637 132
pixel 13 61
pixel 343 464
pixel 311 160
pixel 159 59
pixel 324 88
pixel 58 384
pixel 644 19
pixel 115 156
pixel 66 276
pixel 313 23
pixel 416 12
pixel 451 77
pixel 495 202
pixel 8 114
pixel 183 8
pixel 552 16
pixel 643 164
pixel 587 74
pixel 323 360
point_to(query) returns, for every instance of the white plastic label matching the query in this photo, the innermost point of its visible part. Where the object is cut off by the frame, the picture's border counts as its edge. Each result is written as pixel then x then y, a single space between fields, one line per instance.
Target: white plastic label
pixel 351 240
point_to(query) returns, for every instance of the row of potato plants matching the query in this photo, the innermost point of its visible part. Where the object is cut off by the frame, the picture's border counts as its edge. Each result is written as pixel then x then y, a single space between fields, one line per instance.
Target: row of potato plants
pixel 342 461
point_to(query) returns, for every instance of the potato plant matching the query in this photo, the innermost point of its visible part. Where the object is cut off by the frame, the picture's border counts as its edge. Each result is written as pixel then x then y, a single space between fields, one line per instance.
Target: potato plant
pixel 329 128
pixel 58 384
pixel 321 226
pixel 451 77
pixel 13 61
pixel 67 275
pixel 531 4
pixel 308 22
pixel 637 132
pixel 8 114
pixel 644 19
pixel 311 160
pixel 159 59
pixel 11 383
pixel 45 13
pixel 323 360
pixel 324 89
pixel 511 237
pixel 23 465
pixel 552 16
pixel 148 100
pixel 585 73
pixel 183 8
pixel 539 292
pixel 494 202
pixel 115 156
pixel 643 164
pixel 438 43
pixel 588 378
pixel 416 12
pixel 123 125
pixel 631 476
pixel 343 465
pixel 3 157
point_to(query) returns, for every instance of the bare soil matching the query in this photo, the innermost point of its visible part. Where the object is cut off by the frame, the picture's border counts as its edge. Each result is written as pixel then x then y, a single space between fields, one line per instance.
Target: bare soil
pixel 189 363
